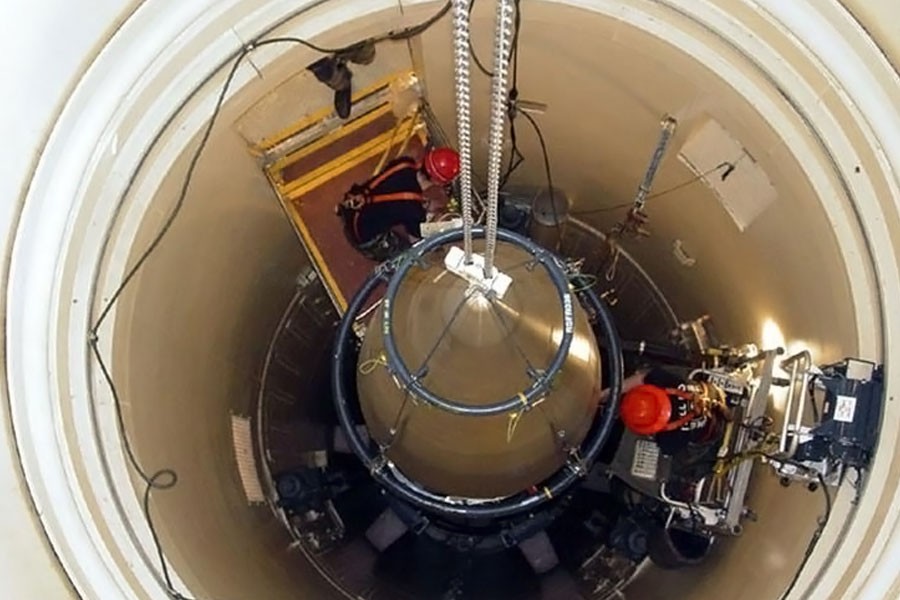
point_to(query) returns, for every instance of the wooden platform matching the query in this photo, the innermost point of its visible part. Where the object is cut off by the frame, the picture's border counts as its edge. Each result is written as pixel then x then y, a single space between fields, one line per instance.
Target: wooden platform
pixel 311 181
pixel 342 268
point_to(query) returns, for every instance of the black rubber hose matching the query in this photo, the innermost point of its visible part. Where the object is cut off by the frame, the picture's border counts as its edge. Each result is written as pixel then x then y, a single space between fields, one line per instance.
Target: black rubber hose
pixel 509 506
pixel 339 372
pixel 613 346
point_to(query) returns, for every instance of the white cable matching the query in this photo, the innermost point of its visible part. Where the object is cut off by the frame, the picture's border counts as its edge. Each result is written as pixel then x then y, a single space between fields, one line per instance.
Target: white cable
pixel 502 50
pixel 463 117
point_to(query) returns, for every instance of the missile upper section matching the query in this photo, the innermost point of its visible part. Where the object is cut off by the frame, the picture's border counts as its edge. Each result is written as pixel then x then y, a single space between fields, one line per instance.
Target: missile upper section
pixel 476 349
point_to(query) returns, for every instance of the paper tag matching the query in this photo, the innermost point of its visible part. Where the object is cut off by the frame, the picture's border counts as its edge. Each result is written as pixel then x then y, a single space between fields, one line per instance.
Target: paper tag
pixel 845 409
pixel 646 459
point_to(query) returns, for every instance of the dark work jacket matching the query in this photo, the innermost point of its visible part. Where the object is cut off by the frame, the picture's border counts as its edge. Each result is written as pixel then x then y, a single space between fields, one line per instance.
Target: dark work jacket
pixel 393 197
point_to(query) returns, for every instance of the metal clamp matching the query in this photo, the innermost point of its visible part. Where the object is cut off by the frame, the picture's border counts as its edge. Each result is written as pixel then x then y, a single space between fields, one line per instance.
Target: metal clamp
pixel 711 516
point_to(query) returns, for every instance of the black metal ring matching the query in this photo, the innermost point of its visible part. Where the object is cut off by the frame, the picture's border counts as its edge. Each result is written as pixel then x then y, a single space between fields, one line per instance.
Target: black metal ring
pixel 541 381
pixel 554 486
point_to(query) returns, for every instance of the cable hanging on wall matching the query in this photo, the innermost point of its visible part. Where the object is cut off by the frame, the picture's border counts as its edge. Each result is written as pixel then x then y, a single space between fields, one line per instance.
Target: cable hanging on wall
pixel 167 478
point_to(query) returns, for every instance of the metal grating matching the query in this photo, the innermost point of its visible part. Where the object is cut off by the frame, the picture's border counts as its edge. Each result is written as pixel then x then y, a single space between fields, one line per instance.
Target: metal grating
pixel 242 437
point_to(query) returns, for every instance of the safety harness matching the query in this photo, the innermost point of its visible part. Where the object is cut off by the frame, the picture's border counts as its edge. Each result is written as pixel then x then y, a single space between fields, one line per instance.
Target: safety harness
pixel 365 191
pixel 694 412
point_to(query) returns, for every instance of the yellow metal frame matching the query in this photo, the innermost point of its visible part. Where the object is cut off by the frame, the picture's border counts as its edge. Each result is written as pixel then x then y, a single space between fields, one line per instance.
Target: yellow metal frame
pixel 290 203
pixel 299 187
pixel 315 254
pixel 309 120
pixel 289 194
pixel 329 138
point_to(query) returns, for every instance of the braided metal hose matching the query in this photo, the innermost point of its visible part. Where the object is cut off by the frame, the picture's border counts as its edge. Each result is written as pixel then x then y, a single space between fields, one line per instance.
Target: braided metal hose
pixel 463 117
pixel 668 125
pixel 502 50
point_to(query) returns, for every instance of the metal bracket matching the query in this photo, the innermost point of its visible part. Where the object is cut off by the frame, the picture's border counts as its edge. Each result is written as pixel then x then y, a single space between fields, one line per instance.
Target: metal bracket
pixel 497 284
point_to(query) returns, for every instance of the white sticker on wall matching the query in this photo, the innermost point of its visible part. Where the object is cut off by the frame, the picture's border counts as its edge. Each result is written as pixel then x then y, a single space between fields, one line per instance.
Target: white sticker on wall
pixel 845 408
pixel 744 189
pixel 645 462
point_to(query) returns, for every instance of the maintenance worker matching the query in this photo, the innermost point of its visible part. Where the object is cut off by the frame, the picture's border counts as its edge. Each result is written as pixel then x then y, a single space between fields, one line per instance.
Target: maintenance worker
pixel 658 403
pixel 374 212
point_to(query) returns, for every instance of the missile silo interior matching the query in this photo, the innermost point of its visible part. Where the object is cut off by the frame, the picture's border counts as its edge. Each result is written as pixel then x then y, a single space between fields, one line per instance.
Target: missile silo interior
pixel 767 250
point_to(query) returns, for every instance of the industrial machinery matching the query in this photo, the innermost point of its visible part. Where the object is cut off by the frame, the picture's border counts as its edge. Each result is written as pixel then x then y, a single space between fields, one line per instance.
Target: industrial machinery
pixel 689 449
pixel 480 397
pixel 479 388
pixel 485 451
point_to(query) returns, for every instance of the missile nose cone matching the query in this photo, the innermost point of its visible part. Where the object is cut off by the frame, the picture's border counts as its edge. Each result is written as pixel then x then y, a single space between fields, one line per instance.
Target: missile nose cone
pixel 475 350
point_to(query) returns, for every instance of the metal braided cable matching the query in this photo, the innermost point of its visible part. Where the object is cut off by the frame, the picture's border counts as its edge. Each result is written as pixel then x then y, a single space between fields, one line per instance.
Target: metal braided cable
pixel 463 117
pixel 502 49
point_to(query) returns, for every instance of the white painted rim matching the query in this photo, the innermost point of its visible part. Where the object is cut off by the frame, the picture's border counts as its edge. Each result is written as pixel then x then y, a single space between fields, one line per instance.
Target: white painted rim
pixel 99 140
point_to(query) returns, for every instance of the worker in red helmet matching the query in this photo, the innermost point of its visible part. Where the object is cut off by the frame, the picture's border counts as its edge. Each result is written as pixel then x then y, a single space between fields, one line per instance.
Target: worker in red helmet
pixel 382 216
pixel 656 403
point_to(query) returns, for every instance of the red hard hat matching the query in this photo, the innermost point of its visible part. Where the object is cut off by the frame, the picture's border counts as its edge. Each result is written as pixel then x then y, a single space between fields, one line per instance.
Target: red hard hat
pixel 441 164
pixel 646 409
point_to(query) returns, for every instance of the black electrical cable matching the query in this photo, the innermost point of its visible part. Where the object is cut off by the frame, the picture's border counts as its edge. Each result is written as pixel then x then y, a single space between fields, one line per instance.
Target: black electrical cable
pixel 478 62
pixel 547 169
pixel 674 188
pixel 392 35
pixel 811 394
pixel 474 54
pixel 414 30
pixel 516 158
pixel 162 479
pixel 814 540
pixel 167 478
pixel 857 485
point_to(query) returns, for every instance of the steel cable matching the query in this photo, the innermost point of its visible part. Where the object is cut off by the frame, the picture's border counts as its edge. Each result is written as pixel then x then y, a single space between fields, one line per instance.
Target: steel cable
pixel 502 50
pixel 463 117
